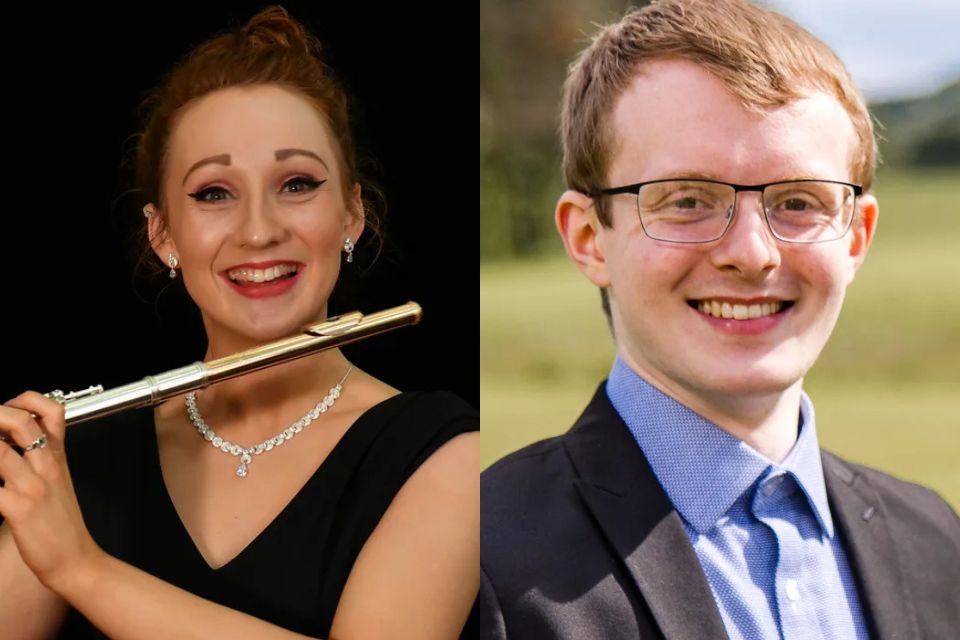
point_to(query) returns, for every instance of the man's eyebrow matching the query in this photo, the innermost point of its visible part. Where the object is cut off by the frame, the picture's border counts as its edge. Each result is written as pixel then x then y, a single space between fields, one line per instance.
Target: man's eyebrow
pixel 283 154
pixel 692 175
pixel 223 158
pixel 699 175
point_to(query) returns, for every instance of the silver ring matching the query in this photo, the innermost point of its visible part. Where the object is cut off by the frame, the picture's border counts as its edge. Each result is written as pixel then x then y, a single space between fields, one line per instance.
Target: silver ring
pixel 39 443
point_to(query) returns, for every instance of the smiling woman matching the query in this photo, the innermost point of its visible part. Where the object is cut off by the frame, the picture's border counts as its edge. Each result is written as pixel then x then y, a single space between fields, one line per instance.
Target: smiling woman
pixel 266 202
pixel 365 525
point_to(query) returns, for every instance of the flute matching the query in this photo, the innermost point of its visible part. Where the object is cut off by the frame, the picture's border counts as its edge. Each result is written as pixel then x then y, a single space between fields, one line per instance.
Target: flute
pixel 94 402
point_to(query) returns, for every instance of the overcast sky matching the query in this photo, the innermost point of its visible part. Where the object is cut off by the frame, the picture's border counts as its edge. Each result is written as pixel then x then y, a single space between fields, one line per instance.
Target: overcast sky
pixel 893 49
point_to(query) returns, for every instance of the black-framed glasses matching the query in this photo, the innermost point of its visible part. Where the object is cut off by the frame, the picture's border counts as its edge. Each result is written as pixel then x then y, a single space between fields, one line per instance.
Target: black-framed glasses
pixel 699 211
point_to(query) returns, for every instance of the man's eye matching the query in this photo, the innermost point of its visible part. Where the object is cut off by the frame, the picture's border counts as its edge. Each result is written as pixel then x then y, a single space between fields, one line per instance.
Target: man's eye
pixel 210 194
pixel 686 203
pixel 796 204
pixel 301 184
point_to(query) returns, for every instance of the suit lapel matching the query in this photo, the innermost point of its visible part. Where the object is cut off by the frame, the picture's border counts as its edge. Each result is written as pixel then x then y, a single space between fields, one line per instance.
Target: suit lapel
pixel 639 521
pixel 873 554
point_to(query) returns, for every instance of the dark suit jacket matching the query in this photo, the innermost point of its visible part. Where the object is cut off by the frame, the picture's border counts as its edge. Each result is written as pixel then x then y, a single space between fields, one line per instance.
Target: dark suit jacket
pixel 579 541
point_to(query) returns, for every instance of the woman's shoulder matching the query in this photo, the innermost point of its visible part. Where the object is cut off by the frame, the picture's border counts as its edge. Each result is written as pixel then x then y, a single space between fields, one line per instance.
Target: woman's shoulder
pixel 378 403
pixel 440 404
pixel 424 411
pixel 398 432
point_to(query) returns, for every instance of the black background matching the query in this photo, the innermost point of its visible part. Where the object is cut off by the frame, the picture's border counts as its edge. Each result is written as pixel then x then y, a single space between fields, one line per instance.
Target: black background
pixel 71 314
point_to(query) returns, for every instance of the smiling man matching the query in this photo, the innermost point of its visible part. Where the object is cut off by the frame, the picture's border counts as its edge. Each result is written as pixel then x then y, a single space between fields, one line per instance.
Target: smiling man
pixel 719 161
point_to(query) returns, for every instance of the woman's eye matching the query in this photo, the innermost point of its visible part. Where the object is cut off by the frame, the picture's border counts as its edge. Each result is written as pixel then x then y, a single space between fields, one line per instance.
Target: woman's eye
pixel 301 184
pixel 210 194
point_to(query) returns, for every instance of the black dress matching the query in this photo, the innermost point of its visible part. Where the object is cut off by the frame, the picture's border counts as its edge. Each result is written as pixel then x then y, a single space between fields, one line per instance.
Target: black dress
pixel 293 573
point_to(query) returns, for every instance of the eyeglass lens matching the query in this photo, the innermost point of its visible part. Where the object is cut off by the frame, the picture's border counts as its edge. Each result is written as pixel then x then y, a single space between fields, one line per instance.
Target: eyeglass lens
pixel 699 211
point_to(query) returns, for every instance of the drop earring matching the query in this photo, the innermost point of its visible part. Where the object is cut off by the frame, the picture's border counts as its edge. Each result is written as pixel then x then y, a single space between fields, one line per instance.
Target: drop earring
pixel 173 262
pixel 348 249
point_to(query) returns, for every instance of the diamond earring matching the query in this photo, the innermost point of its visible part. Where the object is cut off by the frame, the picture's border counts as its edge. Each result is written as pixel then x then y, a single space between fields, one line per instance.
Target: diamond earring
pixel 174 263
pixel 348 249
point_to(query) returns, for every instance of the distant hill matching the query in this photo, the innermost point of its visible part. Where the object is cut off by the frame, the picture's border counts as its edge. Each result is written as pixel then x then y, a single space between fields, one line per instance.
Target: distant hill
pixel 921 131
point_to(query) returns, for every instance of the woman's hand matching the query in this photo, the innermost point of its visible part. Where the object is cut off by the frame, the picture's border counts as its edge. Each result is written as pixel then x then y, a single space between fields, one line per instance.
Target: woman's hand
pixel 41 511
pixel 37 497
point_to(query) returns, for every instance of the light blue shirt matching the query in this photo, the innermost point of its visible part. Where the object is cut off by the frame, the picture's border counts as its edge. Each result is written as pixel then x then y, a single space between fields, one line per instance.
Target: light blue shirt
pixel 761 530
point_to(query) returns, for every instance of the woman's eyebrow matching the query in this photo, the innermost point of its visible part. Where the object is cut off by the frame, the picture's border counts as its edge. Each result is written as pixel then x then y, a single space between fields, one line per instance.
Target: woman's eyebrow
pixel 283 154
pixel 223 158
pixel 280 154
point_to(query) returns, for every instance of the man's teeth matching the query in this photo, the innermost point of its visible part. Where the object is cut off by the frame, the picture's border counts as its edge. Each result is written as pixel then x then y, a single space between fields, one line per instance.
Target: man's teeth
pixel 261 275
pixel 738 311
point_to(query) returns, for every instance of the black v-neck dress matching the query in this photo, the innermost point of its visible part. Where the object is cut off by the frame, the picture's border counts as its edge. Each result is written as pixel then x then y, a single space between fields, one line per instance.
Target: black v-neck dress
pixel 293 573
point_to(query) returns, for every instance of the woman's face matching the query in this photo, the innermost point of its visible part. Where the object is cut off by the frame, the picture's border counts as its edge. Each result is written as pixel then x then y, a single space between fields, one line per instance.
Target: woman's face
pixel 257 213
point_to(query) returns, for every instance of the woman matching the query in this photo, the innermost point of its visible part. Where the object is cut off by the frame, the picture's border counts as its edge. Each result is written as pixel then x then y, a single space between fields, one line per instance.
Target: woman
pixel 363 525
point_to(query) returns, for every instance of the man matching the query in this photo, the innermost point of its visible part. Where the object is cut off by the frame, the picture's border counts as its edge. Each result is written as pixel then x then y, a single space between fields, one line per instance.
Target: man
pixel 719 161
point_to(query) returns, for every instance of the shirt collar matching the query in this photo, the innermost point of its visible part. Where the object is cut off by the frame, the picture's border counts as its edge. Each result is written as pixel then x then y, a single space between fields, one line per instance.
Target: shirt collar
pixel 702 468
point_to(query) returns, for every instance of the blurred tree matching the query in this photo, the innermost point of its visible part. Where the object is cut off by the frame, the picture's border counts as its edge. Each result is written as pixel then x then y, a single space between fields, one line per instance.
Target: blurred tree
pixel 525 48
pixel 921 131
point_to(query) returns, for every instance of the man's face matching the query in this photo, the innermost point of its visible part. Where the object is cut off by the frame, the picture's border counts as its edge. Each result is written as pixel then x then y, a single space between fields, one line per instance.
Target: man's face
pixel 677 120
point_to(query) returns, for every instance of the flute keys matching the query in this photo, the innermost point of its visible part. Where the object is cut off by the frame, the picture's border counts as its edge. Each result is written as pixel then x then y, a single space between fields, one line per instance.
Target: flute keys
pixel 62 397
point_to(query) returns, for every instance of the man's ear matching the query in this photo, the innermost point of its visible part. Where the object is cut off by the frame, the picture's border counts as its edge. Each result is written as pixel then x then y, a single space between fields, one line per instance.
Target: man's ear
pixel 864 227
pixel 579 228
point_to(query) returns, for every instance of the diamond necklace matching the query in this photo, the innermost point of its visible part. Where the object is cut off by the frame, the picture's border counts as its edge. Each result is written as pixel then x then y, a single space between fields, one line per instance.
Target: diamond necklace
pixel 246 454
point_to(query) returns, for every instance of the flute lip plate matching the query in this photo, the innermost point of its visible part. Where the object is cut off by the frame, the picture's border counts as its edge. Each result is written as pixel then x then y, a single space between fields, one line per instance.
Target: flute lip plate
pixel 335 325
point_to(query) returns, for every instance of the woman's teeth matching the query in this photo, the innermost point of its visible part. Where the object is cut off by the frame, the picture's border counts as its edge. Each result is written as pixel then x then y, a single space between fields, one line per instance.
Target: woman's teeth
pixel 261 275
pixel 738 311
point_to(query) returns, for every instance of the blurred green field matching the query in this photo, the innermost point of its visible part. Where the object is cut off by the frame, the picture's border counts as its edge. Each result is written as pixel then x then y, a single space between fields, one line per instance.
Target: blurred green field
pixel 886 388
